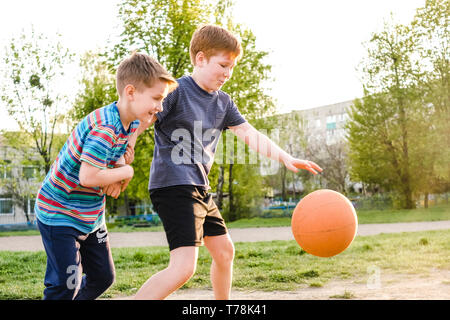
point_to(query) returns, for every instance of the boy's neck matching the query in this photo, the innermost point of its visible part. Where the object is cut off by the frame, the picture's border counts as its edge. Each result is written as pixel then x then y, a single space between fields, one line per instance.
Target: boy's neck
pixel 123 112
pixel 196 78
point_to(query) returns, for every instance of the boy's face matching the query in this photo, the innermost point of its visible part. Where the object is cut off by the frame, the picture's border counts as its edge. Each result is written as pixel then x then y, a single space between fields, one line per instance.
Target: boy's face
pixel 147 102
pixel 215 71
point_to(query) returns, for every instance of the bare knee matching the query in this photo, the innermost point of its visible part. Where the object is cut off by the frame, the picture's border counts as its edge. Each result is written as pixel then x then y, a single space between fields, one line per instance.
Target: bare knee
pixel 224 256
pixel 185 272
pixel 183 266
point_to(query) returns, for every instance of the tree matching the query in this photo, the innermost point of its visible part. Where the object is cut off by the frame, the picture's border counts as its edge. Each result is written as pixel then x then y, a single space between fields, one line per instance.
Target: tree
pixel 382 126
pixel 34 66
pixel 431 27
pixel 98 87
pixel 246 89
pixel 288 131
pixel 399 130
pixel 333 157
pixel 23 171
pixel 163 29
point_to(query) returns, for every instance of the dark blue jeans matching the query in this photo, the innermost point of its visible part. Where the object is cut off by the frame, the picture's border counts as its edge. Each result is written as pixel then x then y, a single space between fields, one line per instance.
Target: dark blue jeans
pixel 70 253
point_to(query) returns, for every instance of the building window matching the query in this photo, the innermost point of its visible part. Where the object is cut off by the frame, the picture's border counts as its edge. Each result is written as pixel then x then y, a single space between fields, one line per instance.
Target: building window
pixel 5 170
pixel 30 205
pixel 331 122
pixel 30 172
pixel 6 206
pixel 331 126
pixel 331 118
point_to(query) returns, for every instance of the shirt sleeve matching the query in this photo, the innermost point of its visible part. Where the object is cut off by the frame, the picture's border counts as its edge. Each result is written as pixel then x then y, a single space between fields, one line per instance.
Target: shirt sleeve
pixel 98 146
pixel 133 127
pixel 233 116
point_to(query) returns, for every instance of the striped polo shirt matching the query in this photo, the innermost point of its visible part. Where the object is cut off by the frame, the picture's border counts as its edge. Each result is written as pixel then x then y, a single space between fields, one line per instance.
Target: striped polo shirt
pixel 99 139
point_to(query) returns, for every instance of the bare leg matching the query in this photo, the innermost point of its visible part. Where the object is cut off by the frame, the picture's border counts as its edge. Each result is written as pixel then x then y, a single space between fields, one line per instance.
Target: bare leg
pixel 221 249
pixel 182 264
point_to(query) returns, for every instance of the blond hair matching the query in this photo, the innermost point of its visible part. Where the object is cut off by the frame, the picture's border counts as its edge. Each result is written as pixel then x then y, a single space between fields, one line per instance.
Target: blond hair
pixel 141 70
pixel 211 39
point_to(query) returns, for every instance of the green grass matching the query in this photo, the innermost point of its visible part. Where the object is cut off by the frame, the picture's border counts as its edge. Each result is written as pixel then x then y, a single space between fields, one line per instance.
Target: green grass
pixel 345 295
pixel 274 265
pixel 435 213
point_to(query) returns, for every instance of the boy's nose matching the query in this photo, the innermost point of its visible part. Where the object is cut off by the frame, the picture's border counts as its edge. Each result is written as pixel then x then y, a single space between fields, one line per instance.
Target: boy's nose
pixel 159 107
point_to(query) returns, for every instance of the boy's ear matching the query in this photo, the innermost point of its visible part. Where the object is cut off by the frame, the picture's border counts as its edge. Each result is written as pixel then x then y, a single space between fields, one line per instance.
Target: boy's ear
pixel 129 91
pixel 200 58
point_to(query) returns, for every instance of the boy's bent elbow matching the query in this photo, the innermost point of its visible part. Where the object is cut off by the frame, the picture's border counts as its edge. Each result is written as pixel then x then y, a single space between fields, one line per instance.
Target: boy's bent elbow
pixel 87 175
pixel 86 181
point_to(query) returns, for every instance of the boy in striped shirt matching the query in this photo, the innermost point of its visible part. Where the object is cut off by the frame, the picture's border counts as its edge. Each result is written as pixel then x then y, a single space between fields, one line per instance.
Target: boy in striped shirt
pixel 70 205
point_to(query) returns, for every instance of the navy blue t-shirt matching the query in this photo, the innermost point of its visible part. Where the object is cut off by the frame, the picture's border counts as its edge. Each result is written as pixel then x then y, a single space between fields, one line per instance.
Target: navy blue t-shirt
pixel 187 133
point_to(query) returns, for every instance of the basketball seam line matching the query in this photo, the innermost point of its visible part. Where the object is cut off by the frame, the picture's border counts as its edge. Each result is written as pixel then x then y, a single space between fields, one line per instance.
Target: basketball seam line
pixel 329 230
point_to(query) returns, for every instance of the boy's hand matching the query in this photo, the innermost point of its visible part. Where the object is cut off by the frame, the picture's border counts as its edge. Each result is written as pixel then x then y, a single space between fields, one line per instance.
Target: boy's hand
pixel 295 164
pixel 125 184
pixel 129 154
pixel 113 190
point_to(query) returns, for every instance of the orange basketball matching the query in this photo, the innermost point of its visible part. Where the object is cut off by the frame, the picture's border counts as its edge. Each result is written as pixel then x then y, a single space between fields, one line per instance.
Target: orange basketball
pixel 324 223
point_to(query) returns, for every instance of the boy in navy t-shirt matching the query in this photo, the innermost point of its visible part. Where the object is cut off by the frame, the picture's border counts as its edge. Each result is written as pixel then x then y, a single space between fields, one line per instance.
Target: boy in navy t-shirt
pixel 186 135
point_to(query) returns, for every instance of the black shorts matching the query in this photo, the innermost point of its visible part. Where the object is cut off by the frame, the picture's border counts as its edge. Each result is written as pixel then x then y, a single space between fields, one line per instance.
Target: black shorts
pixel 188 214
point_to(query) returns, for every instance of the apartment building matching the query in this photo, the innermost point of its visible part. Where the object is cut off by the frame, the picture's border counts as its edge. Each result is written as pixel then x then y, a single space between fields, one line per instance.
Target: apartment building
pixel 20 178
pixel 327 122
pixel 324 130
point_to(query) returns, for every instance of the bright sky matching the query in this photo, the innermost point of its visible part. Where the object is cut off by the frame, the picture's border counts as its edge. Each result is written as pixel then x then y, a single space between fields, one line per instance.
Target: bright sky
pixel 315 46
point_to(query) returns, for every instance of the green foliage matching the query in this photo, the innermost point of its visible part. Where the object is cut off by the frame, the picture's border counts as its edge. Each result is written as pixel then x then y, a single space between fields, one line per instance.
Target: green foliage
pixel 431 27
pixel 163 29
pixel 398 132
pixel 246 88
pixel 97 86
pixel 35 65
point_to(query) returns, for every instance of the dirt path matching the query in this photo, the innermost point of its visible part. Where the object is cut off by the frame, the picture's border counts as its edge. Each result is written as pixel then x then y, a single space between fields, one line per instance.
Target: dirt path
pixel 433 286
pixel 143 239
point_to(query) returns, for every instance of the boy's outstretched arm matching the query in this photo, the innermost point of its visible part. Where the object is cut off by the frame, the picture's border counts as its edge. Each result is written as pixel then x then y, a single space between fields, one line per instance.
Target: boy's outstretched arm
pixel 91 176
pixel 263 145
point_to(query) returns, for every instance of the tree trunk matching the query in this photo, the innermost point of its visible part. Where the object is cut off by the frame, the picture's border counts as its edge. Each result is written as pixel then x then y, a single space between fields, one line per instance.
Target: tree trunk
pixel 114 206
pixel 283 182
pixel 409 201
pixel 293 185
pixel 425 200
pixel 231 214
pixel 220 187
pixel 127 204
pixel 25 210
